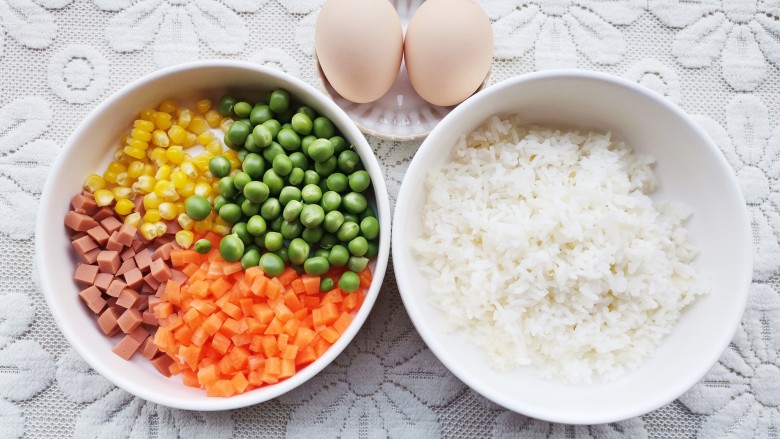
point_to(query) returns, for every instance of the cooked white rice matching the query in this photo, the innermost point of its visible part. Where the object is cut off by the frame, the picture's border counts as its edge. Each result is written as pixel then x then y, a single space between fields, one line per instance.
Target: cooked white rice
pixel 544 248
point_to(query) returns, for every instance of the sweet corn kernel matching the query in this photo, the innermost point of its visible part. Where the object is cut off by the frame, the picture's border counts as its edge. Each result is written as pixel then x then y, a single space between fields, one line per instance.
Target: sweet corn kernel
pixel 202 161
pixel 175 154
pixel 152 201
pixel 185 221
pixel 148 114
pixel 185 117
pixel 136 143
pixel 225 123
pixel 119 154
pixel 203 105
pixel 190 139
pixel 162 121
pixel 168 106
pixel 133 219
pixel 135 153
pixel 189 168
pixel 144 125
pixel 122 193
pixel 214 147
pixel 198 125
pixel 109 177
pixel 135 169
pixel 124 206
pixel 203 226
pixel 141 135
pixel 103 197
pixel 152 216
pixel 203 188
pixel 149 170
pixel 167 210
pixel 177 134
pixel 188 189
pixel 184 238
pixel 122 179
pixel 158 156
pixel 149 231
pixel 160 138
pixel 163 172
pixel 164 189
pixel 161 228
pixel 144 184
pixel 179 207
pixel 219 229
pixel 205 137
pixel 94 182
pixel 178 178
pixel 213 118
pixel 116 167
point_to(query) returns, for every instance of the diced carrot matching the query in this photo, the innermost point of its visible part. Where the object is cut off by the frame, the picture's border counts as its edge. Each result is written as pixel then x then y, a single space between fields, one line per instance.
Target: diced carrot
pixel 281 342
pixel 219 286
pixel 256 344
pixel 350 302
pixel 212 324
pixel 199 336
pixel 287 368
pixel 281 310
pixel 183 257
pixel 342 322
pixel 275 327
pixel 163 338
pixel 301 313
pixel 255 377
pixel 192 318
pixel 220 343
pixel 199 289
pixel 256 362
pixel 292 301
pixel 305 355
pixel 311 284
pixel 246 306
pixel 241 339
pixel 321 346
pixel 163 309
pixel 259 286
pixel 225 366
pixel 287 276
pixel 273 365
pixel 311 302
pixel 172 292
pixel 220 388
pixel 329 334
pixel 303 337
pixel 252 273
pixel 325 314
pixel 239 382
pixel 231 268
pixel 198 275
pixel 174 368
pixel 365 278
pixel 273 289
pixel 190 269
pixel 262 312
pixel 230 327
pixel 254 326
pixel 183 334
pixel 297 286
pixel 205 307
pixel 232 310
pixel 207 374
pixel 332 296
pixel 189 378
pixel 238 357
pixel 270 347
pixel 291 327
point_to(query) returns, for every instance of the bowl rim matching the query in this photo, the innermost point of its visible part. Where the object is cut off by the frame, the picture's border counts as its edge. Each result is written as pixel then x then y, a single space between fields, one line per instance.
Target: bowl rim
pixel 70 331
pixel 407 289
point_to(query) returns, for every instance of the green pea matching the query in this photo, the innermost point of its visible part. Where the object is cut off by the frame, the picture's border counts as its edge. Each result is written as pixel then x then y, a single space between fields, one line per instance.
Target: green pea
pixel 250 259
pixel 357 264
pixel 373 250
pixel 323 184
pixel 339 144
pixel 271 209
pixel 299 160
pixel 337 182
pixel 327 167
pixel 231 248
pixel 326 284
pixel 249 208
pixel 202 246
pixel 256 191
pixel 254 165
pixel 219 166
pixel 291 230
pixel 240 230
pixel 250 145
pixel 369 227
pixel 339 256
pixel 312 216
pixel 301 124
pixel 260 114
pixel 285 116
pixel 348 161
pixel 279 101
pixel 348 231
pixel 359 181
pixel 262 135
pixel 330 201
pixel 237 132
pixel 282 253
pixel 323 127
pixel 273 126
pixel 271 264
pixel 312 236
pixel 256 225
pixel 327 241
pixel 358 246
pixel 355 202
pixel 333 220
pixel 292 210
pixel 242 109
pixel 282 164
pixel 305 143
pixel 349 282
pixel 308 111
pixel 298 251
pixel 260 241
pixel 218 202
pixel 322 252
pixel 351 217
pixel 275 224
pixel 311 193
pixel 197 207
pixel 271 151
pixel 240 198
pixel 289 193
pixel 241 154
pixel 226 104
pixel 288 139
pixel 241 179
pixel 273 241
pixel 274 182
pixel 316 266
pixel 368 212
pixel 311 177
pixel 226 187
pixel 296 176
pixel 231 213
pixel 230 144
pixel 320 150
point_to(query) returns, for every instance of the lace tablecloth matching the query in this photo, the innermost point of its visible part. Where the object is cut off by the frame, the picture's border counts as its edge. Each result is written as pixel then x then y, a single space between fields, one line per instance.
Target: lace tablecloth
pixel 718 59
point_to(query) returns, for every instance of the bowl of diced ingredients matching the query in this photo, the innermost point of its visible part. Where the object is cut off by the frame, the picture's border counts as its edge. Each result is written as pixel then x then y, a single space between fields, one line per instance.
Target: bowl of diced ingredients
pixel 213 235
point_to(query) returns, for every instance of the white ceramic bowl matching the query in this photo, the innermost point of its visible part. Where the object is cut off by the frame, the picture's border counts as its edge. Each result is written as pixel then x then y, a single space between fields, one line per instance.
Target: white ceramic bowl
pixel 689 169
pixel 89 150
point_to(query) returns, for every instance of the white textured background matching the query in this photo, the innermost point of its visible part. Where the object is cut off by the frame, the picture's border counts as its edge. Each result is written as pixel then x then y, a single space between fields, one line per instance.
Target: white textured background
pixel 719 60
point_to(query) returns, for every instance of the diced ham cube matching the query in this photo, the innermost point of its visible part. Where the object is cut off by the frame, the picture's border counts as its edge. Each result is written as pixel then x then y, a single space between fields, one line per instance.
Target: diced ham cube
pixel 84 204
pixel 128 298
pixel 111 224
pixel 92 297
pixel 126 234
pixel 79 222
pixel 133 278
pixel 130 320
pixel 163 364
pixel 103 213
pixel 99 234
pixel 149 349
pixel 143 260
pixel 126 266
pixel 83 244
pixel 85 274
pixel 103 281
pixel 127 347
pixel 108 261
pixel 160 270
pixel 108 321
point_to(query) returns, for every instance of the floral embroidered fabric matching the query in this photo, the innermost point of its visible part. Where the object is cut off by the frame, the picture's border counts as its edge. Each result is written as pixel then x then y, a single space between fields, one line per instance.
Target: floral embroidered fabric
pixel 718 59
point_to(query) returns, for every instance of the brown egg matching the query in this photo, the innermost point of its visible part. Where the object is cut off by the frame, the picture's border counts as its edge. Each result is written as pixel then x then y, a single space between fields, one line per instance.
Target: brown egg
pixel 359 46
pixel 448 50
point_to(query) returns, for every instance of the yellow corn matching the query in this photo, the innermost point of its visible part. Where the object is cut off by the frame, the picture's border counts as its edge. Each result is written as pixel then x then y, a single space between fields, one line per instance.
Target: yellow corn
pixel 124 207
pixel 152 216
pixel 189 168
pixel 203 188
pixel 177 134
pixel 135 153
pixel 190 139
pixel 167 210
pixel 121 192
pixel 145 184
pixel 185 221
pixel 103 197
pixel 220 229
pixel 225 123
pixel 178 178
pixel 163 172
pixel 152 201
pixel 94 182
pixel 188 189
pixel 119 154
pixel 148 114
pixel 116 167
pixel 203 226
pixel 149 170
pixel 198 125
pixel 122 179
pixel 179 207
pixel 137 143
pixel 202 161
pixel 158 156
pixel 203 105
pixel 141 135
pixel 160 138
pixel 164 189
pixel 161 228
pixel 134 219
pixel 214 147
pixel 184 238
pixel 162 121
pixel 109 177
pixel 135 169
pixel 144 125
pixel 185 117
pixel 175 154
pixel 149 231
pixel 213 118
pixel 205 137
pixel 168 106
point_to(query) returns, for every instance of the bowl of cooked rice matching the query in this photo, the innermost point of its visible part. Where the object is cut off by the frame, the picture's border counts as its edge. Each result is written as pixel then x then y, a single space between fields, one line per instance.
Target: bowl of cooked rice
pixel 573 247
